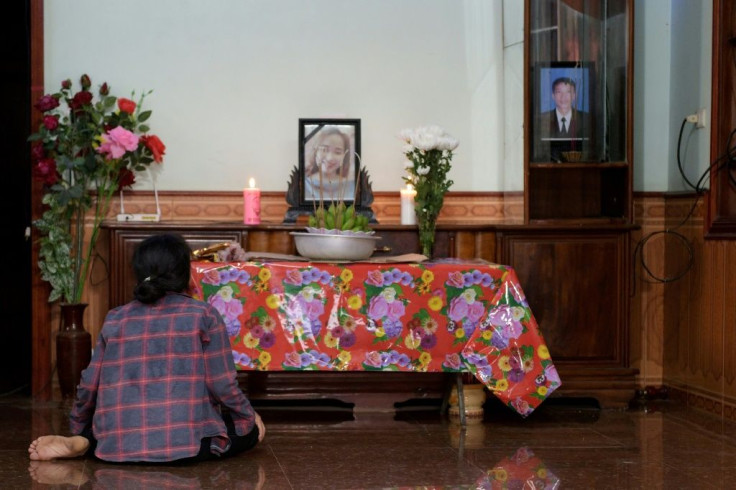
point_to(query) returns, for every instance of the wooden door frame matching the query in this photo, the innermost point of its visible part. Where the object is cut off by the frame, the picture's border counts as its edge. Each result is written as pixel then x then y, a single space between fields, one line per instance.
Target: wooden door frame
pixel 720 217
pixel 41 368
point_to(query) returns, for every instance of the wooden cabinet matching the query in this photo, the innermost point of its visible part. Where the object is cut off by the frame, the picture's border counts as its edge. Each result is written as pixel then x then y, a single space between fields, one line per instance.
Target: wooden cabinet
pixel 572 255
pixel 578 111
pixel 462 241
pixel 576 282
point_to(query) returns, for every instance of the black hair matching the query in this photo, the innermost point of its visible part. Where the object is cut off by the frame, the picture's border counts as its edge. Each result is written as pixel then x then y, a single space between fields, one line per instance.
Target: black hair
pixel 161 265
pixel 566 80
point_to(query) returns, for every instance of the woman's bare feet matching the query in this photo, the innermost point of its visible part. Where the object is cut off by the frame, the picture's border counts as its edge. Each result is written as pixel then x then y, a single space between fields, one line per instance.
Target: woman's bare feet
pixel 46 448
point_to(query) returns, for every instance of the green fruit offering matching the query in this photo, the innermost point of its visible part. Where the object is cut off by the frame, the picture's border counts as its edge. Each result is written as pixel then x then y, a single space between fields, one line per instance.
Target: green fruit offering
pixel 339 217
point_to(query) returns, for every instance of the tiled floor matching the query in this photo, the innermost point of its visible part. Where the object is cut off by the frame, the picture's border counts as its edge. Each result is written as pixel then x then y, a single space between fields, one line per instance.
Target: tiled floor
pixel 562 445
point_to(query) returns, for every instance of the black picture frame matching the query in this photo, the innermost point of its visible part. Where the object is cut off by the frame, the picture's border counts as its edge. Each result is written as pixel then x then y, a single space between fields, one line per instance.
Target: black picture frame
pixel 318 182
pixel 353 186
pixel 578 143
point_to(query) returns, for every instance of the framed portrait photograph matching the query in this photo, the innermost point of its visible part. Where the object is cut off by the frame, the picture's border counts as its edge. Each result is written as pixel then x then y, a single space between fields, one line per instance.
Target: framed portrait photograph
pixel 563 112
pixel 329 161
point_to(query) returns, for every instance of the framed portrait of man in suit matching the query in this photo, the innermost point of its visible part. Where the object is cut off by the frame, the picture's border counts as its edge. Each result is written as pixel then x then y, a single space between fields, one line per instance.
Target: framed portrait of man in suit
pixel 563 112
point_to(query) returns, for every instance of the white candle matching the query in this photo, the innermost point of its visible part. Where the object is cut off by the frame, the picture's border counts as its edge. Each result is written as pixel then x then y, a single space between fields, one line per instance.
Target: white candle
pixel 252 204
pixel 408 214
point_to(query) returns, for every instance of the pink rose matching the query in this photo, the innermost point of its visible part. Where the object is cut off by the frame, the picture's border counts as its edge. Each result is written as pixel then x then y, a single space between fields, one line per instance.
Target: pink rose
pixel 377 308
pixel 373 359
pixel 455 279
pixel 521 406
pixel 314 309
pixel 117 141
pixel 458 309
pixel 512 330
pixel 233 309
pixel 374 278
pixel 452 361
pixel 211 277
pixel 218 302
pixel 475 311
pixel 551 373
pixel 294 308
pixel 293 276
pixel 292 359
pixel 395 310
pixel 501 315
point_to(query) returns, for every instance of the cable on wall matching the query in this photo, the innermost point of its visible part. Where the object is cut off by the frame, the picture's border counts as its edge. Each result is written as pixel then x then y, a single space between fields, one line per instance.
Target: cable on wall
pixel 725 161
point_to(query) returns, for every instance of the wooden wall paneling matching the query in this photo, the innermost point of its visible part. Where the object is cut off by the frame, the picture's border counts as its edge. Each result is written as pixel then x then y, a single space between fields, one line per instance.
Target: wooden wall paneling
pixel 123 243
pixel 729 323
pixel 714 374
pixel 270 241
pixel 637 341
pixel 646 329
pixel 674 310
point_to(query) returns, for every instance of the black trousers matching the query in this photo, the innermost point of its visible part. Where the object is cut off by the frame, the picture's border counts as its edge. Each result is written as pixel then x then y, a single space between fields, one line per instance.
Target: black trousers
pixel 238 444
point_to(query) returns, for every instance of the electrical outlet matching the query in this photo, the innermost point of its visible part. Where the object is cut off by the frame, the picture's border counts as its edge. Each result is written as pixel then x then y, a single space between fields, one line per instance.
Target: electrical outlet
pixel 702 113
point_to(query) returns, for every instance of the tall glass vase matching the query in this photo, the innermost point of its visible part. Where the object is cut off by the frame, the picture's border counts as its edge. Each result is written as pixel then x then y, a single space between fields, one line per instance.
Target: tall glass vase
pixel 426 224
pixel 73 348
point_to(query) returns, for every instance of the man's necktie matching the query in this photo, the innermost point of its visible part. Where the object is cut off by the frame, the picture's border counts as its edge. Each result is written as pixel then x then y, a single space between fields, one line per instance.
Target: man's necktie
pixel 564 128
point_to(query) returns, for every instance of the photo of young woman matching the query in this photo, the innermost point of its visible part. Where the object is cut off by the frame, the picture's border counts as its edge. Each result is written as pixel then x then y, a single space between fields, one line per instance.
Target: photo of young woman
pixel 329 162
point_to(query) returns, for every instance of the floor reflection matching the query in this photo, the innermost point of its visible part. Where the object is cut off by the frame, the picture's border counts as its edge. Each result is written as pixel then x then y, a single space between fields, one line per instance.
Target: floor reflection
pixel 521 470
pixel 242 474
pixel 563 445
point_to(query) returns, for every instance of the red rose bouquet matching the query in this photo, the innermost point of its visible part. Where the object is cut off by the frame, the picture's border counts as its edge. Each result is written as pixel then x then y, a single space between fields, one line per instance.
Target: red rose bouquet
pixel 84 151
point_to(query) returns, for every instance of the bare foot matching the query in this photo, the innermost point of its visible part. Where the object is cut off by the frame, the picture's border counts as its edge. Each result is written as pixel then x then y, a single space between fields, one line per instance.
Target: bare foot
pixel 53 473
pixel 46 448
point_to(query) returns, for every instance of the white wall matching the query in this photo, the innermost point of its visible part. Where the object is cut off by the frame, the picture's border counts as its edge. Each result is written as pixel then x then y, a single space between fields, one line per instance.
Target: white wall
pixel 691 75
pixel 672 76
pixel 231 78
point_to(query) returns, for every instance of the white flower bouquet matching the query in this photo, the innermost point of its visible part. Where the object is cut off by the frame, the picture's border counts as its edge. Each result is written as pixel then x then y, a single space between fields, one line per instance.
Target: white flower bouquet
pixel 429 151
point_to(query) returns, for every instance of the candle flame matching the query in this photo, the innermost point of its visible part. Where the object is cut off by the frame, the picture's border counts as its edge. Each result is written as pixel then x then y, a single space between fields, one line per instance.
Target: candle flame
pixel 252 183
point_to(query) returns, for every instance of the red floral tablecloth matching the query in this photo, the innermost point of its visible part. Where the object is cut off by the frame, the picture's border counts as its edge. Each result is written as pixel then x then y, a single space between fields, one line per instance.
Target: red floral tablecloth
pixel 449 316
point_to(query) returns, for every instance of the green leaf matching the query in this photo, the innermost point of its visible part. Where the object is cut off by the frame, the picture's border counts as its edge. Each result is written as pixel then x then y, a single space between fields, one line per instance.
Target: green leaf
pixel 143 116
pixel 143 128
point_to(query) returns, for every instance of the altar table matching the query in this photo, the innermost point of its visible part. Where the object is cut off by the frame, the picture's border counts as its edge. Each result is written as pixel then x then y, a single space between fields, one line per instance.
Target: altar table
pixel 438 316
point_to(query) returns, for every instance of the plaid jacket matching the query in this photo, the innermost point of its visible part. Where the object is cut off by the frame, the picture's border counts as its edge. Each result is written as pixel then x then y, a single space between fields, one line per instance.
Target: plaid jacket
pixel 158 376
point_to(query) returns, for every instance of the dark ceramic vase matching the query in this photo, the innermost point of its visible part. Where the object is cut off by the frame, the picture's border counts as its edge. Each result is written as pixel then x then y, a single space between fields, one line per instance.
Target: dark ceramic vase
pixel 73 348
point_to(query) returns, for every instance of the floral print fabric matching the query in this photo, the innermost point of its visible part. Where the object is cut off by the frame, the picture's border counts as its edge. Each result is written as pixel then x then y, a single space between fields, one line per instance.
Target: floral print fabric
pixel 440 316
